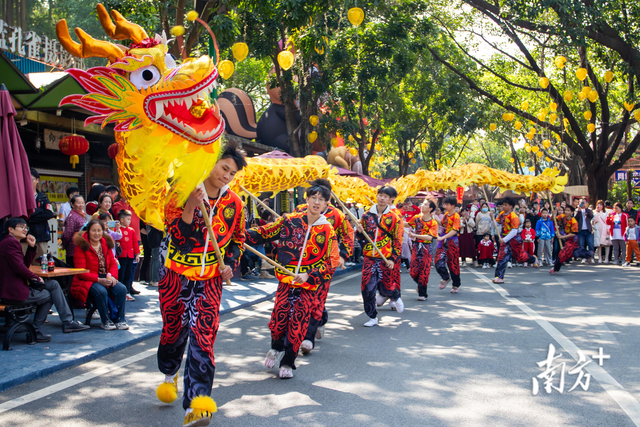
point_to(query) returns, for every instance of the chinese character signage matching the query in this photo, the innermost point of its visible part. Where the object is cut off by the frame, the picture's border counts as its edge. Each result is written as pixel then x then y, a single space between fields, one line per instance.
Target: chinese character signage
pixel 33 46
pixel 52 139
pixel 56 187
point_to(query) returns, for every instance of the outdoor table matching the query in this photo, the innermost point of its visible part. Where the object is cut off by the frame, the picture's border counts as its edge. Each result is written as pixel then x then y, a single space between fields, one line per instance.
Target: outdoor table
pixel 58 272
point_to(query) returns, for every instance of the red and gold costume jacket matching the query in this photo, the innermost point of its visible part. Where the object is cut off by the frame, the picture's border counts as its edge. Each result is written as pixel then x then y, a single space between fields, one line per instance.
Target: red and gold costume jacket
pixel 385 231
pixel 424 228
pixel 567 225
pixel 187 254
pixel 508 221
pixel 303 249
pixel 341 226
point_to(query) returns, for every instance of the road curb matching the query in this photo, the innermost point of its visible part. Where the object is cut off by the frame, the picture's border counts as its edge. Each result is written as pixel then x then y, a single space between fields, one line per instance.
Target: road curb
pixel 6 385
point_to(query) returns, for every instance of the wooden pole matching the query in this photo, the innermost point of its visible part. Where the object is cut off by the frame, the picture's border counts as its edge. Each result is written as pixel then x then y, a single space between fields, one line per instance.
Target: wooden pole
pixel 260 202
pixel 214 240
pixel 269 260
pixel 352 216
pixel 553 216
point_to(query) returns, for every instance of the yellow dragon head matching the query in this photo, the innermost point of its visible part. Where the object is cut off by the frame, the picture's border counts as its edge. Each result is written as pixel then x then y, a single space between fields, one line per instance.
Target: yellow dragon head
pixel 167 127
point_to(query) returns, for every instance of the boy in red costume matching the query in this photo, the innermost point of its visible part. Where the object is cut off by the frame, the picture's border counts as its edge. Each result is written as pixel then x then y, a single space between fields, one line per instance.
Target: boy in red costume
pixel 191 284
pixel 568 233
pixel 385 229
pixel 448 252
pixel 510 241
pixel 308 249
pixel 425 230
pixel 344 234
pixel 528 235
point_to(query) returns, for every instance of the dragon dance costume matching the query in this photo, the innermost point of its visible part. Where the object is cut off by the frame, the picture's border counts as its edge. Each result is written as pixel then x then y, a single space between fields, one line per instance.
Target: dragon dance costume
pixel 421 252
pixel 513 246
pixel 304 248
pixel 344 234
pixel 571 247
pixel 448 252
pixel 190 288
pixel 385 230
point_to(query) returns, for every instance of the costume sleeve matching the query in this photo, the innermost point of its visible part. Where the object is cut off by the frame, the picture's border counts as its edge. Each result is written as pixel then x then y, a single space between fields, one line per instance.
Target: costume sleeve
pixel 179 231
pixel 515 222
pixel 574 225
pixel 412 221
pixel 511 235
pixel 345 233
pixel 324 272
pixel 236 246
pixel 398 234
pixel 361 236
pixel 266 233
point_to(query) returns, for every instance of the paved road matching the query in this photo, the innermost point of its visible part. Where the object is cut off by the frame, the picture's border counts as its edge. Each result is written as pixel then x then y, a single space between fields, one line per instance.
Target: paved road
pixel 454 360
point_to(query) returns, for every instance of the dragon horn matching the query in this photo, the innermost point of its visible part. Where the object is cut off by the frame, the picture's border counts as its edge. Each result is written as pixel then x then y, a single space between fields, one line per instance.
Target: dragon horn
pixel 88 47
pixel 123 29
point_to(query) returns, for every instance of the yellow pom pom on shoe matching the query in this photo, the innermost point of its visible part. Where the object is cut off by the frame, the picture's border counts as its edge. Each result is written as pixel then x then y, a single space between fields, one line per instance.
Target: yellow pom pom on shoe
pixel 203 405
pixel 167 392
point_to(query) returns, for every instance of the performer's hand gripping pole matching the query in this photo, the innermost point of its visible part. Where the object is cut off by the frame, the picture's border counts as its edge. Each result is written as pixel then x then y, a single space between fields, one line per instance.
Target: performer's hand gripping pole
pixel 352 216
pixel 214 241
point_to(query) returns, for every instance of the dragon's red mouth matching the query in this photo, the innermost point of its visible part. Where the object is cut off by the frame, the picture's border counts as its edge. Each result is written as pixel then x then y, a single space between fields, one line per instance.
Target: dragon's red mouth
pixel 170 109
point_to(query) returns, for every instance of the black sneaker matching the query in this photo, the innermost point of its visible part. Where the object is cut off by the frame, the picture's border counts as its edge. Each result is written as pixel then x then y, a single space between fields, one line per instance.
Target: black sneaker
pixel 74 327
pixel 134 291
pixel 40 337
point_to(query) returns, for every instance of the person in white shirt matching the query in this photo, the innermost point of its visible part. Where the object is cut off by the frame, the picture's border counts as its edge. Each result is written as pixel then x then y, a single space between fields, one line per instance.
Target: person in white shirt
pixel 65 208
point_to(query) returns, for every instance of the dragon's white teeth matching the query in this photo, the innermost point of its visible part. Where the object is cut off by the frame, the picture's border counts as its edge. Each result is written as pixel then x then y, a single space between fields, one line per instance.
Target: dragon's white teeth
pixel 188 102
pixel 159 110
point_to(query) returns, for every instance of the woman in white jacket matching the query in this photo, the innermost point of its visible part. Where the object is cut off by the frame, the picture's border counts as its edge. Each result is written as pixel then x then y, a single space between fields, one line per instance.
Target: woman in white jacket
pixel 601 235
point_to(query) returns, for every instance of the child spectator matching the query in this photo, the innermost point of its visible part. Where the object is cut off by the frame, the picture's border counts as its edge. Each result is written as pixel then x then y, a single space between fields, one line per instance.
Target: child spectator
pixel 528 235
pixel 116 235
pixel 485 251
pixel 130 251
pixel 545 232
pixel 631 236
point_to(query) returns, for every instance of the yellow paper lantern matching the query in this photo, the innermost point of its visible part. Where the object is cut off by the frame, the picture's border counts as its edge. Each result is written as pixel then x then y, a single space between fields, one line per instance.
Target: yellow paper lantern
pixel 526 144
pixel 312 136
pixel 512 160
pixel 356 16
pixel 192 16
pixel 582 96
pixel 553 117
pixel 560 61
pixel 525 105
pixel 542 116
pixel 177 31
pixel 586 89
pixel 581 73
pixel 546 143
pixel 437 161
pixel 553 106
pixel 313 120
pixel 240 51
pixel 608 76
pixel 532 168
pixel 535 149
pixel 226 69
pixel 493 126
pixel 529 136
pixel 522 164
pixel 285 59
pixel 505 117
pixel 568 95
pixel 378 147
pixel 353 151
pixel 558 137
pixel 629 106
pixel 592 95
pixel 423 146
pixel 413 161
pixel 539 154
pixel 636 115
pixel 410 155
pixel 543 82
pixel 532 131
pixel 547 159
pixel 339 134
pixel 591 127
pixel 518 125
pixel 587 115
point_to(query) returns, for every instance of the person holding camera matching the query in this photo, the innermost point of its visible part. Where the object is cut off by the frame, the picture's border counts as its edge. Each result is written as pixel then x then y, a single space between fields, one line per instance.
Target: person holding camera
pixel 19 284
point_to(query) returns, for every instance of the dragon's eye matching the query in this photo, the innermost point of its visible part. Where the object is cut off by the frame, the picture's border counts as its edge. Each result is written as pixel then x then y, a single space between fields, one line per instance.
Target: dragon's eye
pixel 144 77
pixel 170 61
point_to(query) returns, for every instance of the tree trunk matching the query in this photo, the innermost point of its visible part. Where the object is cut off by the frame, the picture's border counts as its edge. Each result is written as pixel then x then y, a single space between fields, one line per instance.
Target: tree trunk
pixel 598 185
pixel 23 15
pixel 9 14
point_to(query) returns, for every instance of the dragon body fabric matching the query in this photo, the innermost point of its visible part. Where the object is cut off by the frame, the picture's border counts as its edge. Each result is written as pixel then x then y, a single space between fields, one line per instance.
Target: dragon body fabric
pixel 166 125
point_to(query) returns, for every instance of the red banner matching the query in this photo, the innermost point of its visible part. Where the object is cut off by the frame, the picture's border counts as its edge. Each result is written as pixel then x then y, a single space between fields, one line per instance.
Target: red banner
pixel 459 194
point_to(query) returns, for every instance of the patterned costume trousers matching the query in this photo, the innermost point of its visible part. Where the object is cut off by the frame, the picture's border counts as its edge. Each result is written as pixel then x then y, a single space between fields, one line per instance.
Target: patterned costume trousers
pixel 421 266
pixel 376 276
pixel 514 248
pixel 319 314
pixel 290 320
pixel 570 249
pixel 448 255
pixel 190 309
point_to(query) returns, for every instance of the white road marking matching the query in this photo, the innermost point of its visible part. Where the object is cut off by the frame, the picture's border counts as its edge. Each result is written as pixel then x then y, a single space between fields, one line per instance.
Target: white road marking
pixel 604 332
pixel 55 388
pixel 623 398
pixel 563 282
pixel 344 279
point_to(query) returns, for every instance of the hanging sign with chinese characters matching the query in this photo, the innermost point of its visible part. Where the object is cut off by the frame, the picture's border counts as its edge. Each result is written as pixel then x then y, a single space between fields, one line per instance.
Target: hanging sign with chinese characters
pixel 33 46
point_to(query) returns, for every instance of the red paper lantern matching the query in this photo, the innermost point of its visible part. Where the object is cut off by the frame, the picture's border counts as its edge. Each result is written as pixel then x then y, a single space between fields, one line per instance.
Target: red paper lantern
pixel 74 146
pixel 113 150
pixel 459 194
